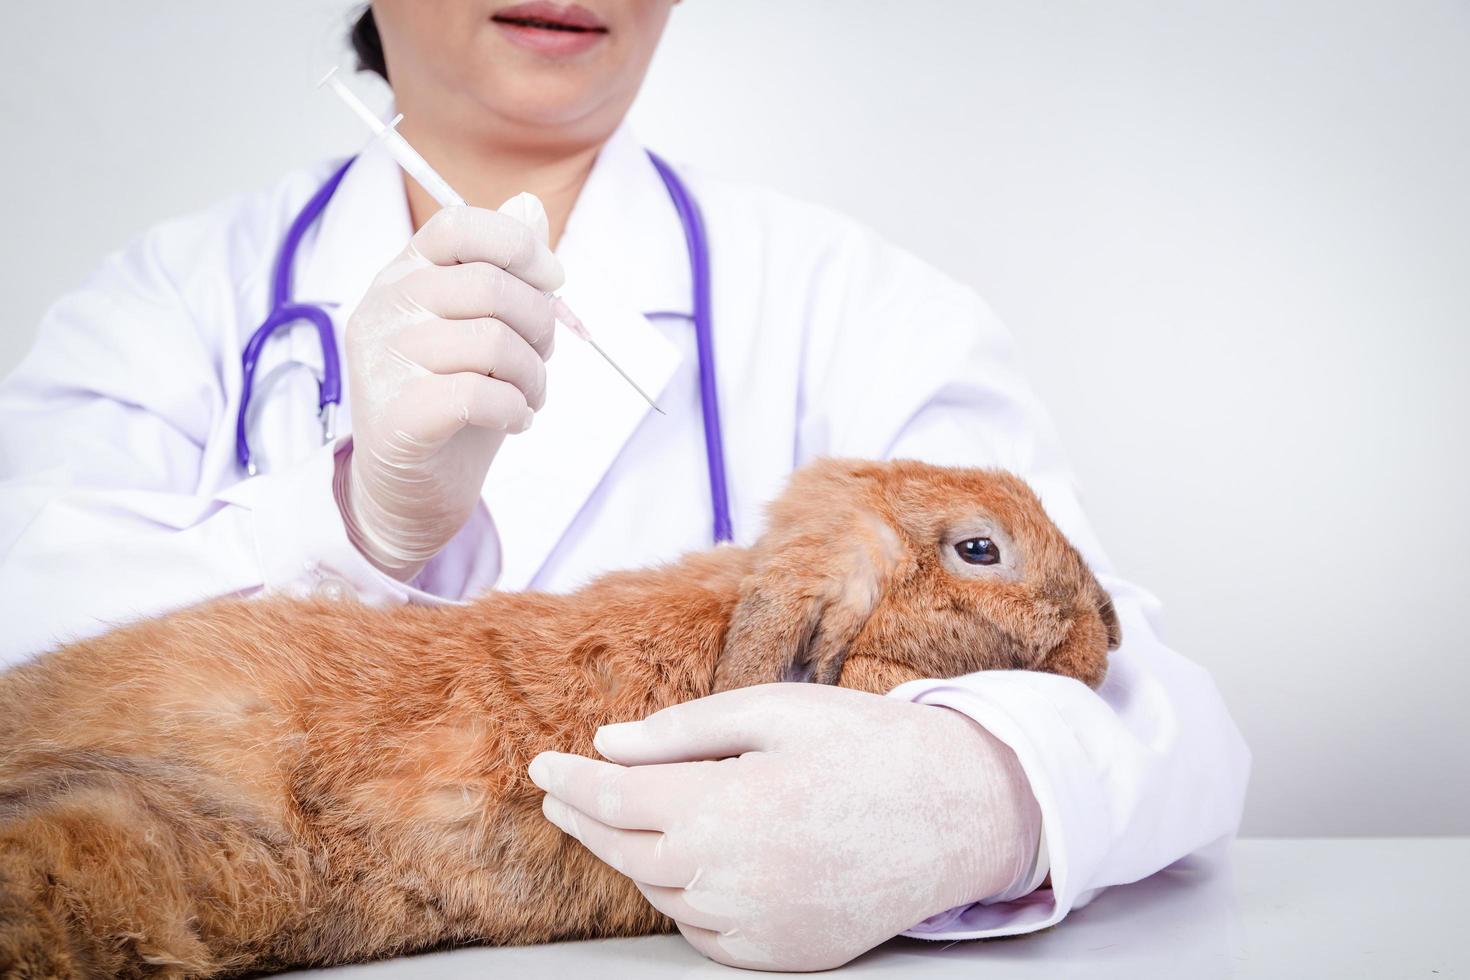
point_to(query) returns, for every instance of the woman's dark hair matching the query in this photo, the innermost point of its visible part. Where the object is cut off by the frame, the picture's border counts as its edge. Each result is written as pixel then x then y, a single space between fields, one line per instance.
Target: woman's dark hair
pixel 368 44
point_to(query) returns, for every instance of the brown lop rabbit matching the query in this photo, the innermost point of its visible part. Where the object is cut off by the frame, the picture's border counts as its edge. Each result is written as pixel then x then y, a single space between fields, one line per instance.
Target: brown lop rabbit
pixel 250 785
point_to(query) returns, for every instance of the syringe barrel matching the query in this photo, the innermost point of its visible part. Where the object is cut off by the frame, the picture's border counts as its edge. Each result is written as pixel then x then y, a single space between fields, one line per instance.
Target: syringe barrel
pixel 418 168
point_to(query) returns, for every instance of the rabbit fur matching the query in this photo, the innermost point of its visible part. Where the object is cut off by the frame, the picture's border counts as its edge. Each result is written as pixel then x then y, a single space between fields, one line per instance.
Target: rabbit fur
pixel 249 785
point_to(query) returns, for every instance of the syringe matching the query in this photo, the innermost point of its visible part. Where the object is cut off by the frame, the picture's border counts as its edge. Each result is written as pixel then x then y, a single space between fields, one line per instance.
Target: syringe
pixel 418 168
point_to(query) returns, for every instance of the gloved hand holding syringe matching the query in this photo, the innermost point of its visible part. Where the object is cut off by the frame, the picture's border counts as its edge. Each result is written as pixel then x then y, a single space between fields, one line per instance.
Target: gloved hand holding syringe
pixel 445 356
pixel 438 188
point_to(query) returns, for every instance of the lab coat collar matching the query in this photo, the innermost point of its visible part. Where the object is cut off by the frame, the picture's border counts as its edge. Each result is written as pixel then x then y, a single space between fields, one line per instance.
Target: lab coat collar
pixel 623 237
pixel 364 226
pixel 624 255
pixel 625 233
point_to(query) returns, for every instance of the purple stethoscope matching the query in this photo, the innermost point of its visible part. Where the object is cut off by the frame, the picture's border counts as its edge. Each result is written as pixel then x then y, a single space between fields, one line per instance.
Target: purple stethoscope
pixel 285 311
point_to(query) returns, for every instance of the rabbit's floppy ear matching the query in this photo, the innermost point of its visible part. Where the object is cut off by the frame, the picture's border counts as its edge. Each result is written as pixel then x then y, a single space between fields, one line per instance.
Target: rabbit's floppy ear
pixel 806 600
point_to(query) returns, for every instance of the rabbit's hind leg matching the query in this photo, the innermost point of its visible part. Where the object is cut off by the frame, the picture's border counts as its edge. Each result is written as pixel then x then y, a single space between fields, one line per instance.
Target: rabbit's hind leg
pixel 115 867
pixel 33 939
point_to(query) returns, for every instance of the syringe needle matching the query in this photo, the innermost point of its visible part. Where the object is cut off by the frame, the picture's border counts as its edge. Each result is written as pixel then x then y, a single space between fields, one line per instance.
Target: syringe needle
pixel 572 322
pixel 598 347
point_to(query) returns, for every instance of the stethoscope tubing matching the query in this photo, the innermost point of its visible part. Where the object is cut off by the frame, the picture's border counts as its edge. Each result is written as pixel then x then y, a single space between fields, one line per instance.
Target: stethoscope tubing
pixel 284 311
pixel 709 403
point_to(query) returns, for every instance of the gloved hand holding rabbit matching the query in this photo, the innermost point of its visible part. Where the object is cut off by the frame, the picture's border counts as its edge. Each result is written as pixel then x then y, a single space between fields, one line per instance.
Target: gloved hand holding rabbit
pixel 775 857
pixel 250 785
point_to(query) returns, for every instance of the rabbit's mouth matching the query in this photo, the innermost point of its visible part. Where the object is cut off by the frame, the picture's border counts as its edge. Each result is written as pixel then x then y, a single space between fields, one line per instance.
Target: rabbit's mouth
pixel 1083 651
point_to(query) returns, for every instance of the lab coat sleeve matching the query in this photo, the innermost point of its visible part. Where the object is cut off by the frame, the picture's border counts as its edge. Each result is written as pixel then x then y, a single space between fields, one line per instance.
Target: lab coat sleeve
pixel 1130 778
pixel 105 429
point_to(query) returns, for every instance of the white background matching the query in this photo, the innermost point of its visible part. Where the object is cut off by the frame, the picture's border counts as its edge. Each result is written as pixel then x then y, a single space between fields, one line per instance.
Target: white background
pixel 1233 239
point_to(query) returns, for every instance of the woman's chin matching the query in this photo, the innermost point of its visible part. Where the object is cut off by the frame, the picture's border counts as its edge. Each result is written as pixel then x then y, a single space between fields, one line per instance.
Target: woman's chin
pixel 552 101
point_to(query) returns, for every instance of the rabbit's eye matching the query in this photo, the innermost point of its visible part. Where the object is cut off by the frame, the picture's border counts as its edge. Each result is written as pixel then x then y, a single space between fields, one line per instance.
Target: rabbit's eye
pixel 978 551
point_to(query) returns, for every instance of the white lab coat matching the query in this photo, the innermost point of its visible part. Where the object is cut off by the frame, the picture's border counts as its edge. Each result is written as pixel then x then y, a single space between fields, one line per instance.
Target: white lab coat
pixel 122 496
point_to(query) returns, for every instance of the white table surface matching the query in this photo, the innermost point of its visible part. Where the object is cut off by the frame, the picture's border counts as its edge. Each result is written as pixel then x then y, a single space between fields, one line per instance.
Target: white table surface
pixel 1341 908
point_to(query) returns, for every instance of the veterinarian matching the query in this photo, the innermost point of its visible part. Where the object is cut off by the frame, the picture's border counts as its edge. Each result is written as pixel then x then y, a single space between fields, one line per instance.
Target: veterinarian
pixel 461 455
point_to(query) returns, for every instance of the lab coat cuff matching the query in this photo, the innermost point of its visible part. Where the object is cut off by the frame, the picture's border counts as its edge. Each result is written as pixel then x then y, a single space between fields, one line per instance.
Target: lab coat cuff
pixel 1029 882
pixel 1022 714
pixel 301 542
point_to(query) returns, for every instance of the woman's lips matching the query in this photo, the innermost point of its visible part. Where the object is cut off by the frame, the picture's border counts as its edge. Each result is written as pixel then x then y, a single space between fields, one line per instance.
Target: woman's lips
pixel 550 28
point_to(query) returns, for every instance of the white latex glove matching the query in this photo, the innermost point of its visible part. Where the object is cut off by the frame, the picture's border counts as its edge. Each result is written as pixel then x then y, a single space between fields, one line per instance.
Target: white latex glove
pixel 445 356
pixel 833 820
